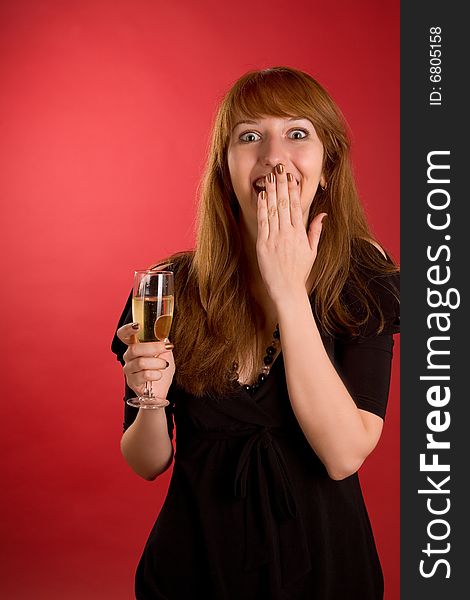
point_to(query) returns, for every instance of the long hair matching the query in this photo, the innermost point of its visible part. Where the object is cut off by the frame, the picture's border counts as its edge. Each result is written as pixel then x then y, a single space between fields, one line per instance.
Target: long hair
pixel 216 317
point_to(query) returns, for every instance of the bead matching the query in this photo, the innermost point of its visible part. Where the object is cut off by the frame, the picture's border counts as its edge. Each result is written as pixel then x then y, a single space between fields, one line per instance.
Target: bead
pixel 268 360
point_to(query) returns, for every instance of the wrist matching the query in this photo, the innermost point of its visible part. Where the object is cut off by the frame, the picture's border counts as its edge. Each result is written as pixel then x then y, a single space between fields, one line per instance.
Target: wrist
pixel 290 298
pixel 149 419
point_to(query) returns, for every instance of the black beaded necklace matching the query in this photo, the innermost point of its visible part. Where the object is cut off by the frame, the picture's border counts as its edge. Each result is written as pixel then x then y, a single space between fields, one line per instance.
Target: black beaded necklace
pixel 268 361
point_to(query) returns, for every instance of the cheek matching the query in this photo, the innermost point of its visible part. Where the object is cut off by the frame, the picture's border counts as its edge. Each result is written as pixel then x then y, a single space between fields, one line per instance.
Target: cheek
pixel 310 164
pixel 233 163
pixel 308 192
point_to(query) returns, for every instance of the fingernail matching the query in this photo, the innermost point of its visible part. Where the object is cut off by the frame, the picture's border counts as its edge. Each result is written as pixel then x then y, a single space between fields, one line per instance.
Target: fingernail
pixel 290 177
pixel 169 346
pixel 280 169
pixel 135 326
pixel 263 195
pixel 324 217
pixel 270 177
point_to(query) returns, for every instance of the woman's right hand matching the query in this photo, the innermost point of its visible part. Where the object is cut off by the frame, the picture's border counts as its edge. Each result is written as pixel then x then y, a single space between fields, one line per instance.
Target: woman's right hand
pixel 146 361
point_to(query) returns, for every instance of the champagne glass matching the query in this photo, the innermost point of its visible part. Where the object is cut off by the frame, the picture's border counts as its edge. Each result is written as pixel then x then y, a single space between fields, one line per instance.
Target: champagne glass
pixel 152 308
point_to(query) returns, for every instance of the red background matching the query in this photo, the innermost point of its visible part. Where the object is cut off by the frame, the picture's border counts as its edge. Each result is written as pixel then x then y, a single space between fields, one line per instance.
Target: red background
pixel 105 111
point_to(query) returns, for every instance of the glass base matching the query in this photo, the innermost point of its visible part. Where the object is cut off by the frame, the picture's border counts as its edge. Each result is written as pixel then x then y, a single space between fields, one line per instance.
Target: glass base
pixel 143 402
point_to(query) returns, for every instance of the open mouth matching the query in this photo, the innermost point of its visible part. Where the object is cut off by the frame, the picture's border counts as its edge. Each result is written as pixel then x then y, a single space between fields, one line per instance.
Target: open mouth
pixel 260 184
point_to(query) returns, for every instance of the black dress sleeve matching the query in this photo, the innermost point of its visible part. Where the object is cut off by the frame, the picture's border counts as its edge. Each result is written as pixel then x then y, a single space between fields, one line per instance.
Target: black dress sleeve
pixel 118 347
pixel 364 362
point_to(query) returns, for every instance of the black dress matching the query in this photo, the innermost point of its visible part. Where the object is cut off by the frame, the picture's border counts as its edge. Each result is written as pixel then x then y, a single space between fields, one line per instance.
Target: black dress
pixel 251 513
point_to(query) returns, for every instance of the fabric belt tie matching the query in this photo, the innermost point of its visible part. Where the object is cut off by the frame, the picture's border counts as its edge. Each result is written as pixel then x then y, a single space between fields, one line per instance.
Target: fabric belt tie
pixel 262 482
pixel 262 445
pixel 269 496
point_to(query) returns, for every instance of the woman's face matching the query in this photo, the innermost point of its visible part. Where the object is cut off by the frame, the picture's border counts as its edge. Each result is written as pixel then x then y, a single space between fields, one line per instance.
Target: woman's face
pixel 257 146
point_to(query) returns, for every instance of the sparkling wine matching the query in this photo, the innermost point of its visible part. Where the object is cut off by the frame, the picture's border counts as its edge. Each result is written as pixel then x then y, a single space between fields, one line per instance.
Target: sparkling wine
pixel 154 316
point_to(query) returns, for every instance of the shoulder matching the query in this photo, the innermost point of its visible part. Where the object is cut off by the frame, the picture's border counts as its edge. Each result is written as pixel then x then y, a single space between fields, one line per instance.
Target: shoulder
pixel 372 289
pixel 174 262
pixel 369 259
pixel 377 245
pixel 166 266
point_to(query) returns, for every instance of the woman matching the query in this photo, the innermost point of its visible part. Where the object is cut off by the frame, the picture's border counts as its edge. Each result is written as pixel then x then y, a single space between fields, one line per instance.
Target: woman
pixel 279 375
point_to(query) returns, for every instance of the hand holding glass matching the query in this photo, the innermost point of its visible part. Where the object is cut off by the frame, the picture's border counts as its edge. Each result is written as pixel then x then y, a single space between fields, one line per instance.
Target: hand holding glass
pixel 152 308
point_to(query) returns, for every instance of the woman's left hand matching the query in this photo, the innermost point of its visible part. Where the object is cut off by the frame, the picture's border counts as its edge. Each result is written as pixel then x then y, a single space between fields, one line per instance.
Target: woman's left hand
pixel 286 252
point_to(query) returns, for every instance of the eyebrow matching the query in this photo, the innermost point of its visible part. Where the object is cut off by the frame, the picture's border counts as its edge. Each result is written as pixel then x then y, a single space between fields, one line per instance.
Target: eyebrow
pixel 251 122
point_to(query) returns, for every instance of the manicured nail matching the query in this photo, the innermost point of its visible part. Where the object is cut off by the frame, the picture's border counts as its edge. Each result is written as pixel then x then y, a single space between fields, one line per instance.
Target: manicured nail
pixel 262 195
pixel 169 346
pixel 135 326
pixel 280 168
pixel 270 177
pixel 290 177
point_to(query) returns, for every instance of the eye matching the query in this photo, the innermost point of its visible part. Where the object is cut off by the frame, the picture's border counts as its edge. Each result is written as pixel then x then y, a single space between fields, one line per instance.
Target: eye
pixel 295 132
pixel 248 136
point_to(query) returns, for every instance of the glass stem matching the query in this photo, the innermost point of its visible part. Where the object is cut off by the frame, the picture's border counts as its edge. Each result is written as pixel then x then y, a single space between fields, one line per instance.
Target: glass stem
pixel 148 393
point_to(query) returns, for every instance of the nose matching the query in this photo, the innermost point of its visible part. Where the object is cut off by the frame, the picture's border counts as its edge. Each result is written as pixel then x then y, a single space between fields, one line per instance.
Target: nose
pixel 272 152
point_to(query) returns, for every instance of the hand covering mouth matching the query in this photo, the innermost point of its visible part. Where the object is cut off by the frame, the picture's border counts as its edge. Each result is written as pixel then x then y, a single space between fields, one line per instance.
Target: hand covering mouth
pixel 260 184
